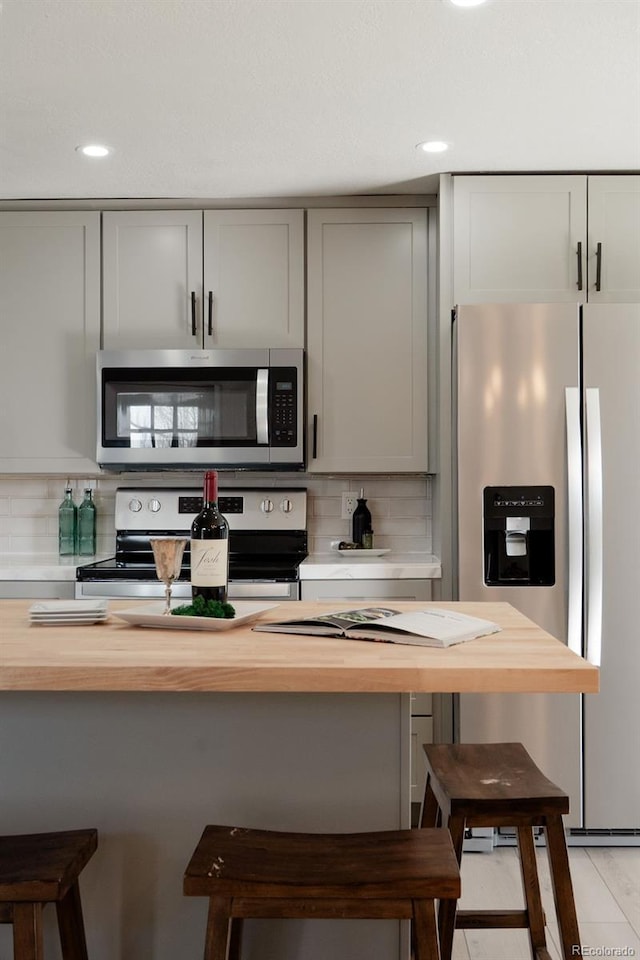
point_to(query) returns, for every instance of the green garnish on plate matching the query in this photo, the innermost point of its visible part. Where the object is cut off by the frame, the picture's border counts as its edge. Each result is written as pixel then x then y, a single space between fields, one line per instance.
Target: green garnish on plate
pixel 205 608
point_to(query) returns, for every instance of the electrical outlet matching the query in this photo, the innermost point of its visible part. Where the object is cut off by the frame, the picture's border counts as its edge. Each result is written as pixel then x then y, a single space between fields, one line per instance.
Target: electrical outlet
pixel 349 503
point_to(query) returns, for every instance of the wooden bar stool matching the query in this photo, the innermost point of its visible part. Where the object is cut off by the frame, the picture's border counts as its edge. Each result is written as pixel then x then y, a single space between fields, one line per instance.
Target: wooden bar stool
pixel 499 785
pixel 41 868
pixel 262 873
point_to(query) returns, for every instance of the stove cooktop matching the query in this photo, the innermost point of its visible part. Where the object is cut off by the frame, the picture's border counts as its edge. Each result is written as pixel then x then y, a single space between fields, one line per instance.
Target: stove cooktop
pixel 267 532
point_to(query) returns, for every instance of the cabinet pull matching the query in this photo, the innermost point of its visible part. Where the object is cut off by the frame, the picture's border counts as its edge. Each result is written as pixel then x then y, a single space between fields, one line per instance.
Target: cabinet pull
pixel 579 255
pixel 194 328
pixel 210 319
pixel 315 435
pixel 598 267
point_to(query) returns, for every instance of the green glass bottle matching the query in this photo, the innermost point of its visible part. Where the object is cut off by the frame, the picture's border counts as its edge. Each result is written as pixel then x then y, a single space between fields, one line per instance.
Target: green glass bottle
pixel 67 524
pixel 87 525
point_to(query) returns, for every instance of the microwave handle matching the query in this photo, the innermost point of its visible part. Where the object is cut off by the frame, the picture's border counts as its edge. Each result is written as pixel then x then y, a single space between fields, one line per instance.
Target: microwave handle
pixel 262 406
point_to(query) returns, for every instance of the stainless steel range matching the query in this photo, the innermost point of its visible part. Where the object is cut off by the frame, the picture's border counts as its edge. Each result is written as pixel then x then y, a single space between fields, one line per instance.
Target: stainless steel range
pixel 267 542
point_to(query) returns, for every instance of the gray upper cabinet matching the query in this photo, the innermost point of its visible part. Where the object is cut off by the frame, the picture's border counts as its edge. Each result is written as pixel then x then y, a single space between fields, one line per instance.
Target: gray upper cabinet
pixel 614 239
pixel 50 319
pixel 254 278
pixel 534 239
pixel 367 340
pixel 222 278
pixel 152 279
pixel 516 238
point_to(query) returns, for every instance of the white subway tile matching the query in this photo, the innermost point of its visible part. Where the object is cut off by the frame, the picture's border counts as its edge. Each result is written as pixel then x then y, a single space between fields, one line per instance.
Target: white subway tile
pixel 400 506
pixel 25 487
pixel 325 507
pixel 409 507
pixel 47 545
pixel 34 507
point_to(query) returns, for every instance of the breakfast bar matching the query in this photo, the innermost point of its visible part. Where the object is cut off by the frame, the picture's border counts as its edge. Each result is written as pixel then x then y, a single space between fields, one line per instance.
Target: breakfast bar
pixel 149 734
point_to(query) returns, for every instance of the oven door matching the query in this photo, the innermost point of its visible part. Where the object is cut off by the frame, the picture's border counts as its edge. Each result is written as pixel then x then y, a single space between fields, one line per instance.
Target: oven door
pixel 150 590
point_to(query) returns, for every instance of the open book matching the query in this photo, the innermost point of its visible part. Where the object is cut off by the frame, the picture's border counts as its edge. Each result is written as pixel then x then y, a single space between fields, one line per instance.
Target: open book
pixel 425 628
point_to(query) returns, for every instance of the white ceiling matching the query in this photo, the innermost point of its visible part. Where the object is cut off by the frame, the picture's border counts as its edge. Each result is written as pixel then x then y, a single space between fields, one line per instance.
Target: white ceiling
pixel 285 98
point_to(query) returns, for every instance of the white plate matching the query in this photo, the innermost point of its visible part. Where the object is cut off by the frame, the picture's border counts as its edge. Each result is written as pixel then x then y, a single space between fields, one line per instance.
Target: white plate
pixel 358 555
pixel 151 615
pixel 68 607
pixel 66 622
pixel 65 612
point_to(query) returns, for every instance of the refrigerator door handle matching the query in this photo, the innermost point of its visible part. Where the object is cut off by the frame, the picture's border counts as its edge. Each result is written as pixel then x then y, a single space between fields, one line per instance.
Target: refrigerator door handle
pixel 595 526
pixel 574 501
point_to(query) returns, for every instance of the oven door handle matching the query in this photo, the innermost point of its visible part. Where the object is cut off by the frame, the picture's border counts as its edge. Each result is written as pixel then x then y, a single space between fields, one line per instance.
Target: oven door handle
pixel 262 590
pixel 262 406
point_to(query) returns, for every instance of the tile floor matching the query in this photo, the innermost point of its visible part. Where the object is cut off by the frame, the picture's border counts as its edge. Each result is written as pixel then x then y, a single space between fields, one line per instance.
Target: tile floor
pixel 606 882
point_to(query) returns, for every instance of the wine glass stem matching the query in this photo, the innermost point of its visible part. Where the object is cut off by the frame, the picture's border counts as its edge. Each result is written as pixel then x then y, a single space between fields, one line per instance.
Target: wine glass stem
pixel 167 595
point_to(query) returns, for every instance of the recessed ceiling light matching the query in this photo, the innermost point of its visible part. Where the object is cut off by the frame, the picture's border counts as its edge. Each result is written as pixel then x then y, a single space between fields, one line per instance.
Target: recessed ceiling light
pixel 433 146
pixel 467 3
pixel 94 150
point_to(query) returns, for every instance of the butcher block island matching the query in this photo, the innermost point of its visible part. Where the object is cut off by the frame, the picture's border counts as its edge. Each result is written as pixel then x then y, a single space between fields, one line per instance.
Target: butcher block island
pixel 149 734
pixel 117 656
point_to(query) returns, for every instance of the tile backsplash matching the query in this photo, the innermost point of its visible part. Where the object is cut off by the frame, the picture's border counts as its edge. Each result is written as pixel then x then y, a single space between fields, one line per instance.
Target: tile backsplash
pixel 401 507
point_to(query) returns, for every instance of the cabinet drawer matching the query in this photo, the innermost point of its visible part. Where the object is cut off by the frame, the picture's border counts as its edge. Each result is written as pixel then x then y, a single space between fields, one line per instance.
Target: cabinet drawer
pixel 366 590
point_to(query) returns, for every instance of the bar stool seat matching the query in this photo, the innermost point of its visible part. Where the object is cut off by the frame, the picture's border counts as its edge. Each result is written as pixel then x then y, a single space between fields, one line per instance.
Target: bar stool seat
pixel 263 873
pixel 41 868
pixel 499 785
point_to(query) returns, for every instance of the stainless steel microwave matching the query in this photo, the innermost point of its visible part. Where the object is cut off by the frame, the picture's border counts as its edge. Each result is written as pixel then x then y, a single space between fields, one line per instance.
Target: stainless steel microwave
pixel 183 409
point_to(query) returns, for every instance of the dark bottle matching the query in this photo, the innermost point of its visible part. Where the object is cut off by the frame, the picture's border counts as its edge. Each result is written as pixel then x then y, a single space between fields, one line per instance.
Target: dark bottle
pixel 362 531
pixel 87 525
pixel 67 524
pixel 210 546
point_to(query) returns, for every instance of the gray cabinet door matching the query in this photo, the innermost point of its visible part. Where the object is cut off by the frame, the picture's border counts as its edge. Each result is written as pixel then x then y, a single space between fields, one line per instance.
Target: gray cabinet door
pixel 152 279
pixel 516 239
pixel 367 340
pixel 254 278
pixel 614 239
pixel 50 317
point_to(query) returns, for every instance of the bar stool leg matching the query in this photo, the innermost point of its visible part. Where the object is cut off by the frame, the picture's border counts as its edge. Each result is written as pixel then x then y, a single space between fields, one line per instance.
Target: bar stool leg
pixel 218 929
pixel 425 930
pixel 235 939
pixel 531 887
pixel 562 887
pixel 28 943
pixel 71 925
pixel 430 810
pixel 447 908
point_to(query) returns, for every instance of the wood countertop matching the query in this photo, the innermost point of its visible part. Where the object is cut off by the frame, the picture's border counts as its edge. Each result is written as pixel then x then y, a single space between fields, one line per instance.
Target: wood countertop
pixel 114 656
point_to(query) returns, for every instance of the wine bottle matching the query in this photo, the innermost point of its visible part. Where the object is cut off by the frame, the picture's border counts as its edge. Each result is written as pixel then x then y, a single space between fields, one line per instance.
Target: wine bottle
pixel 67 524
pixel 210 546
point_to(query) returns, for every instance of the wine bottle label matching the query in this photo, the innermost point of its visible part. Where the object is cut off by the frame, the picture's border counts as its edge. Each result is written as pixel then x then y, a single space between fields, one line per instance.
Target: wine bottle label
pixel 209 562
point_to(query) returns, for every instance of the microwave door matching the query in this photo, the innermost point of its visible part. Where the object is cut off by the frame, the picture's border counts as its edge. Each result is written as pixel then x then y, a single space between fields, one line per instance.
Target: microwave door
pixel 262 407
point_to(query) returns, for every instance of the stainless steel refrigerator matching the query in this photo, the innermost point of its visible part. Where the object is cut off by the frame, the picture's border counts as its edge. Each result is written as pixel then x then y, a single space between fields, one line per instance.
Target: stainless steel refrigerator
pixel 548 519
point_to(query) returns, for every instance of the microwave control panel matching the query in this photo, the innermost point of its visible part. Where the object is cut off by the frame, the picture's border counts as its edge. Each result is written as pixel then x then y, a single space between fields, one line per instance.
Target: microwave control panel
pixel 283 393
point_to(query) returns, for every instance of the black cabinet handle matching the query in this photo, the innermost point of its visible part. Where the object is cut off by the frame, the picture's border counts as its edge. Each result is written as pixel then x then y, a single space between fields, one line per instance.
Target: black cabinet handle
pixel 210 320
pixel 194 328
pixel 315 435
pixel 598 267
pixel 579 254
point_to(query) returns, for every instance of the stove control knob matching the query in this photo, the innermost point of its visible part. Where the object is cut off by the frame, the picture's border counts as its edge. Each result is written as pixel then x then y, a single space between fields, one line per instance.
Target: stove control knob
pixel 154 505
pixel 267 505
pixel 135 505
pixel 286 506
